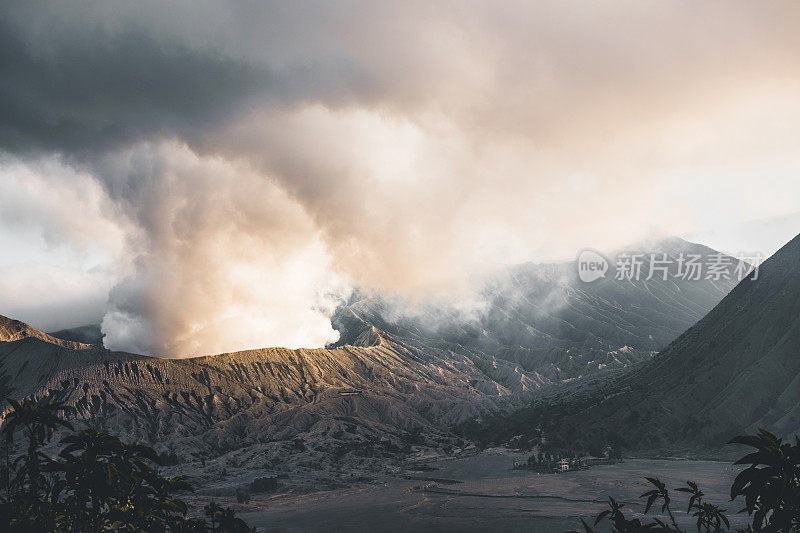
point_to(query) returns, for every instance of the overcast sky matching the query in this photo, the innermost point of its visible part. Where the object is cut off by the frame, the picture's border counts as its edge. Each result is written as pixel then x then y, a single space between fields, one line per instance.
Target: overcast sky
pixel 206 177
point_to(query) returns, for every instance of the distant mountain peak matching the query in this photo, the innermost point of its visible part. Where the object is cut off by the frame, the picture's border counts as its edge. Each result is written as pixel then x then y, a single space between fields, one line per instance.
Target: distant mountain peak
pixel 14 330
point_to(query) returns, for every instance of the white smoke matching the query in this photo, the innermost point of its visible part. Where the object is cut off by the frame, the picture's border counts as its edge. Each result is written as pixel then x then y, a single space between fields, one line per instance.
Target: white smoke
pixel 225 260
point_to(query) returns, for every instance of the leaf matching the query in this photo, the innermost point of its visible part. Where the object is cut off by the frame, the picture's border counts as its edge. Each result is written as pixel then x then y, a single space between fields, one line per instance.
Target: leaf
pixel 758 458
pixel 601 516
pixel 691 502
pixel 745 476
pixel 650 502
pixel 747 440
pixel 657 482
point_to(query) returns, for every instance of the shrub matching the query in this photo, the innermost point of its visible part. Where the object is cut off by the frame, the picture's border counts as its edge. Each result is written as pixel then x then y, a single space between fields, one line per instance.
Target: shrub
pixel 264 484
pixel 770 487
pixel 168 459
pixel 96 482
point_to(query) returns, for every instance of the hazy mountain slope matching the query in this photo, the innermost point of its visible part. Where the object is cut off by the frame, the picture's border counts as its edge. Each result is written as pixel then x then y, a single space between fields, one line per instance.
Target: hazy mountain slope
pixel 736 370
pixel 12 330
pixel 90 334
pixel 740 364
pixel 544 318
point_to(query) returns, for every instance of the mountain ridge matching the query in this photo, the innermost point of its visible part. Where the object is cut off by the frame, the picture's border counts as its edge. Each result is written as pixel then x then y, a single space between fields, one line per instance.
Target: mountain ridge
pixel 257 403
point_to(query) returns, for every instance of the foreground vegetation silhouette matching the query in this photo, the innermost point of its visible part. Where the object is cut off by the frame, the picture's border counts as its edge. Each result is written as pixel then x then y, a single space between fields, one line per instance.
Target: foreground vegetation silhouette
pixel 770 487
pixel 96 482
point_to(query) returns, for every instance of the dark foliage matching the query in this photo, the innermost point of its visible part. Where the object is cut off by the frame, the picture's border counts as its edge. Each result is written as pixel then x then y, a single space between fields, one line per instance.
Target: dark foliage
pixel 264 484
pixel 771 484
pixel 770 487
pixel 95 483
pixel 168 459
pixel 242 495
pixel 224 520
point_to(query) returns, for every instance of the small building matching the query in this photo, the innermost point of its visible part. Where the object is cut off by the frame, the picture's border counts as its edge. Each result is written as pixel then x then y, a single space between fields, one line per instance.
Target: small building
pixel 563 465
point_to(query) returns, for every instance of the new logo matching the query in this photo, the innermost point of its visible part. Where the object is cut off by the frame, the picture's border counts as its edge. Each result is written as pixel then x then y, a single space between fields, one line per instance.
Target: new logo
pixel 591 266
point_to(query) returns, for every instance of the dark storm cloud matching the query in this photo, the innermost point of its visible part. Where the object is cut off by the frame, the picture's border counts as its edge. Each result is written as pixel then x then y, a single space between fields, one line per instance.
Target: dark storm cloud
pixel 94 90
pixel 251 154
pixel 85 88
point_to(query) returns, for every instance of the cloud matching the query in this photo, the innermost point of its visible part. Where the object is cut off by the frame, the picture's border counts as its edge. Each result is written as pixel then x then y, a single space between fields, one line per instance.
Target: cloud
pixel 53 297
pixel 260 157
pixel 62 240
